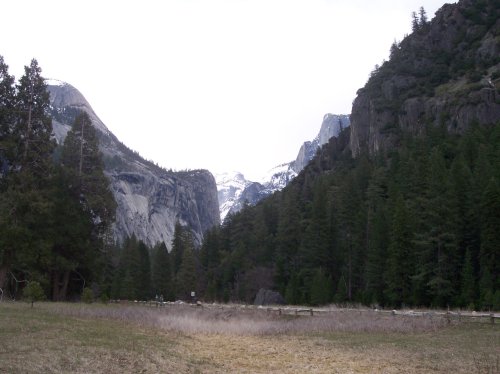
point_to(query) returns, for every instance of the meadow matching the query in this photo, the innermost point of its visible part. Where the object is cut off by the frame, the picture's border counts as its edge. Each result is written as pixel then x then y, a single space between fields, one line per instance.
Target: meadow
pixel 117 338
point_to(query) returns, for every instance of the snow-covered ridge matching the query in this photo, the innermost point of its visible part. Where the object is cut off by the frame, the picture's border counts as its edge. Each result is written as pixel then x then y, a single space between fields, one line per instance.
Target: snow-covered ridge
pixel 278 177
pixel 234 190
pixel 230 186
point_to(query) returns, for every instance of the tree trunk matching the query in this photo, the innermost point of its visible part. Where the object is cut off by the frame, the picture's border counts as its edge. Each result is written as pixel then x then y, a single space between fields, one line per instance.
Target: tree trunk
pixel 28 130
pixel 55 286
pixel 349 290
pixel 64 289
pixel 81 151
pixel 4 269
pixel 60 285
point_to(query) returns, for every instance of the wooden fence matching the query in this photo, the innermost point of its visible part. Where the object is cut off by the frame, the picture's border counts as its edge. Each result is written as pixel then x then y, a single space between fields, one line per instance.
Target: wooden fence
pixel 301 311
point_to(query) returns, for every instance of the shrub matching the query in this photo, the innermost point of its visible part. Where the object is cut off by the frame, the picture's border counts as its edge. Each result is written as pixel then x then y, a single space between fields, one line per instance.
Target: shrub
pixel 87 295
pixel 33 292
pixel 104 298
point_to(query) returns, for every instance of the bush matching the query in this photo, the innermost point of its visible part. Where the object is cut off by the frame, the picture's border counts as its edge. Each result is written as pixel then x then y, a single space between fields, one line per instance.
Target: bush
pixel 104 298
pixel 87 295
pixel 33 292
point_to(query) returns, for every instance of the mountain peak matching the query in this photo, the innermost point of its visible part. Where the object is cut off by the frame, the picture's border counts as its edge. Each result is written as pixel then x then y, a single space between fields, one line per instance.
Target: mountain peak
pixel 150 200
pixel 234 190
pixel 65 99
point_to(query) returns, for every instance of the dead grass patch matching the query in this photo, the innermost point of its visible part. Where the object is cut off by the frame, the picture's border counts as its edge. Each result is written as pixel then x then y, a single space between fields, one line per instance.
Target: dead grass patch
pixel 61 338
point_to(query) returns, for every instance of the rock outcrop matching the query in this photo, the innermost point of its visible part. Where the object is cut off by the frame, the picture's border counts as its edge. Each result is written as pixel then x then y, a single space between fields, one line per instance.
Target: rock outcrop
pixel 331 126
pixel 150 199
pixel 269 297
pixel 446 73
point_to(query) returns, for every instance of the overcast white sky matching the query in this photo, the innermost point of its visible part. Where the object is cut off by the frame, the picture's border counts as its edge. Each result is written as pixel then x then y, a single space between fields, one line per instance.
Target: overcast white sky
pixel 217 84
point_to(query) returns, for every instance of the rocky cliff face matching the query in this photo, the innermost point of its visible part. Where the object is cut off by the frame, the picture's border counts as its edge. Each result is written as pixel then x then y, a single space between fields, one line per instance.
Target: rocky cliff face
pixel 150 199
pixel 446 73
pixel 331 126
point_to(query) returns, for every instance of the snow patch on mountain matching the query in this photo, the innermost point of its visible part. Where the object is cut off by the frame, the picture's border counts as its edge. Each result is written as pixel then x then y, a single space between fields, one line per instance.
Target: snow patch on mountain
pixel 229 189
pixel 235 191
pixel 54 82
pixel 278 177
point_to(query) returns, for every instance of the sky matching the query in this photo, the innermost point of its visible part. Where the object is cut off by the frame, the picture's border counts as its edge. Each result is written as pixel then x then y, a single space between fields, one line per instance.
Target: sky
pixel 223 85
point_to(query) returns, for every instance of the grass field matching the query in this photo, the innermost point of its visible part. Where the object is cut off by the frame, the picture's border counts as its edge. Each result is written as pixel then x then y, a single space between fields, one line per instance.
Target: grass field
pixel 96 338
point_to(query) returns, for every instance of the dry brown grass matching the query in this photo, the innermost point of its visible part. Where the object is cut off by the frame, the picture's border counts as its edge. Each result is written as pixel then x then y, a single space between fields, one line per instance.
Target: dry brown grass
pixel 194 320
pixel 62 338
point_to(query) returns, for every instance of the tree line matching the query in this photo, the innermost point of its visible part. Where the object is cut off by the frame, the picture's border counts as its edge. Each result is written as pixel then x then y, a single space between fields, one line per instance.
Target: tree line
pixel 415 225
pixel 143 273
pixel 56 208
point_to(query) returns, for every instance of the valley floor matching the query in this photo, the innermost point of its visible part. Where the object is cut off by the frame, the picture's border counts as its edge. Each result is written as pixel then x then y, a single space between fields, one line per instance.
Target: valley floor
pixel 78 338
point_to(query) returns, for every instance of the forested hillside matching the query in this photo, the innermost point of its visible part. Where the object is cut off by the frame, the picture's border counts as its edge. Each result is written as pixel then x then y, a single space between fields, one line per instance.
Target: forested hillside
pixel 403 208
pixel 417 226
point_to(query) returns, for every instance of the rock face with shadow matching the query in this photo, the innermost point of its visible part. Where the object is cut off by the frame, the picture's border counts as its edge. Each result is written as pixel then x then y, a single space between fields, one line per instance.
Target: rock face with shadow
pixel 445 74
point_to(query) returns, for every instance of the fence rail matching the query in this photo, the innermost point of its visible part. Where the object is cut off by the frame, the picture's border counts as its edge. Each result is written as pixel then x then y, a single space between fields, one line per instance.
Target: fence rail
pixel 301 311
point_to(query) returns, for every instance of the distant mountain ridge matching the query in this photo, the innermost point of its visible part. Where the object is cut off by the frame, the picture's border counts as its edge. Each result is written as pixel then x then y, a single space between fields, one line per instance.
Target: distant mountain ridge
pixel 235 191
pixel 150 199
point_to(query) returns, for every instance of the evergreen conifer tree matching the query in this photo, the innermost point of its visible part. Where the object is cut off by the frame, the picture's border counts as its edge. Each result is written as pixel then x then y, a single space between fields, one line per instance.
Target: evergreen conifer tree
pixel 423 17
pixel 321 288
pixel 33 128
pixel 415 24
pixel 489 281
pixel 287 238
pixel 178 246
pixel 25 199
pixel 82 160
pixel 161 274
pixel 399 270
pixel 7 146
pixel 144 272
pixel 186 276
pixel 7 120
pixel 468 281
pixel 292 294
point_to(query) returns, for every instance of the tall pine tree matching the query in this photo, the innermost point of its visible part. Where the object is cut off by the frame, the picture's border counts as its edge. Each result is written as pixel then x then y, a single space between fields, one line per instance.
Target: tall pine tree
pixel 161 273
pixel 25 201
pixel 399 257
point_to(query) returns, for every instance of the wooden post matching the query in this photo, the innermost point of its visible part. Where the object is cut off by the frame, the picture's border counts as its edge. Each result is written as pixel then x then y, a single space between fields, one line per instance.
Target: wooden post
pixel 448 317
pixel 311 311
pixel 279 311
pixel 492 318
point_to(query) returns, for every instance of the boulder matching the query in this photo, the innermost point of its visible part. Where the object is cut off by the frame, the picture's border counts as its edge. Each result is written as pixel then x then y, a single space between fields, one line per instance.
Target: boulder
pixel 269 297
